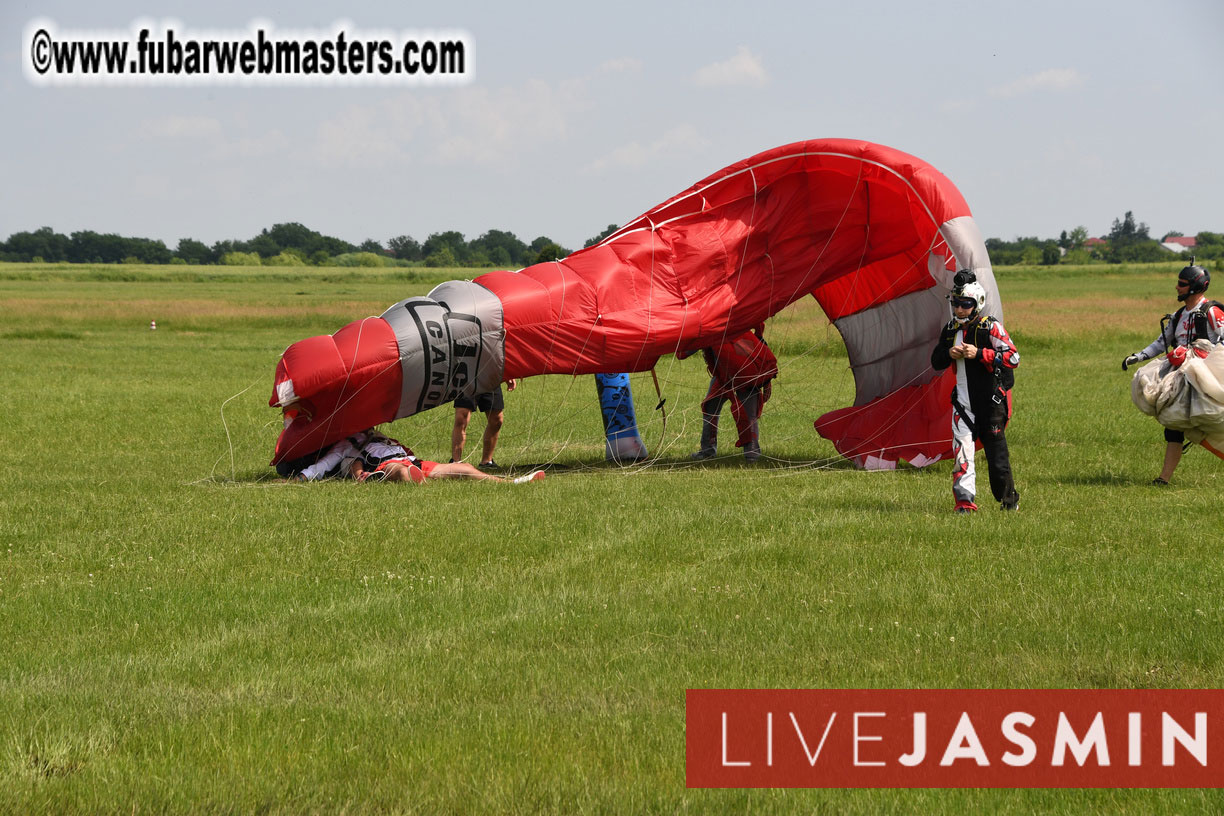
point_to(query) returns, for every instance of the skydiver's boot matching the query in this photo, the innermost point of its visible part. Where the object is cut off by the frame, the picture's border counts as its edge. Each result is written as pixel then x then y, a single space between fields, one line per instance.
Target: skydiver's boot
pixel 709 436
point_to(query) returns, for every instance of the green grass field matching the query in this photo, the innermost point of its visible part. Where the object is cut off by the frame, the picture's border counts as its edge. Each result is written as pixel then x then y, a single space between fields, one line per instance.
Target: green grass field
pixel 184 633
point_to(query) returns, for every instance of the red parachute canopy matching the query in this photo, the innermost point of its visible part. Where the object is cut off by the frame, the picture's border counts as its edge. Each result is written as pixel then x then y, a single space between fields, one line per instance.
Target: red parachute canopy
pixel 873 233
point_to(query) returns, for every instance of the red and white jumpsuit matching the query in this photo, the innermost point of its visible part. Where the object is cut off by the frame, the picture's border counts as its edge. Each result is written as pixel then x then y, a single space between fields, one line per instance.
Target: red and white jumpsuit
pixel 981 406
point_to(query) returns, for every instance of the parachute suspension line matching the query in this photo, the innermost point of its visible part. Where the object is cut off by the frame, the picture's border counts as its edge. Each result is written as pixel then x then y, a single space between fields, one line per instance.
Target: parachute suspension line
pixel 673 362
pixel 229 442
pixel 661 409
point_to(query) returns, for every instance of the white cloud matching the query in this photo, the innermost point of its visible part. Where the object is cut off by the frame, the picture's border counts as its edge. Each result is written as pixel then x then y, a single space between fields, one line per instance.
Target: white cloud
pixel 205 135
pixel 470 125
pixel 1051 79
pixel 486 127
pixel 623 65
pixel 676 141
pixel 360 137
pixel 178 127
pixel 743 69
pixel 272 143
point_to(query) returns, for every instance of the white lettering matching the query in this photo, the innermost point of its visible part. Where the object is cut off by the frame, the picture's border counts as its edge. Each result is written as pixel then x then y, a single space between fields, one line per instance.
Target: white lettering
pixel 1028 748
pixel 769 739
pixel 810 756
pixel 1065 737
pixel 916 756
pixel 1171 732
pixel 1134 743
pixel 726 762
pixel 964 744
pixel 857 738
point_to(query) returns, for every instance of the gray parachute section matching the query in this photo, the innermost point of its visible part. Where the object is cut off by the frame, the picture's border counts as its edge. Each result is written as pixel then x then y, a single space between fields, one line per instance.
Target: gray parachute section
pixel 890 345
pixel 451 344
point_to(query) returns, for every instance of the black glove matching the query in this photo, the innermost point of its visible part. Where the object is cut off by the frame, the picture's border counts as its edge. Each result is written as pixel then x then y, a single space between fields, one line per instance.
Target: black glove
pixel 1131 360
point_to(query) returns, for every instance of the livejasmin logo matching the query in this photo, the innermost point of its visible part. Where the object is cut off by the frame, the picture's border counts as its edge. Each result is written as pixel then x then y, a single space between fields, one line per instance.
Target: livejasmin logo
pixel 952 738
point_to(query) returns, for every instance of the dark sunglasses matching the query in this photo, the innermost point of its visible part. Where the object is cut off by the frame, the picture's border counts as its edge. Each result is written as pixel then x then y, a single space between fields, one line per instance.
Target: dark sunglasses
pixel 963 303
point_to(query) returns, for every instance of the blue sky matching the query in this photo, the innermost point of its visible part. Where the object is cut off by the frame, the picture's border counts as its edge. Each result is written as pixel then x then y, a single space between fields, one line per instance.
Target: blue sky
pixel 1046 115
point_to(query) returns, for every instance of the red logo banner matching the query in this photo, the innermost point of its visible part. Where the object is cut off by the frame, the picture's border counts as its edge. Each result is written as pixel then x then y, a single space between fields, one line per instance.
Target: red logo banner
pixel 949 738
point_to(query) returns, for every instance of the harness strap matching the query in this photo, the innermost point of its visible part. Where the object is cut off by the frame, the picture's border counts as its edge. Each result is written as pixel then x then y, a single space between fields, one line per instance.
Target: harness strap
pixel 960 409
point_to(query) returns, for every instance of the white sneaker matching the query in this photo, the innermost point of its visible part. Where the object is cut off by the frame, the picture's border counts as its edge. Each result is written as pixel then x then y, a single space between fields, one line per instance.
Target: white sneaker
pixel 534 476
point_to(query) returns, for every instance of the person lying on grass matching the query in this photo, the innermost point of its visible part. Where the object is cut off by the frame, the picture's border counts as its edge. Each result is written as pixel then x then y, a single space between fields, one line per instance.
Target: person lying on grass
pixel 372 456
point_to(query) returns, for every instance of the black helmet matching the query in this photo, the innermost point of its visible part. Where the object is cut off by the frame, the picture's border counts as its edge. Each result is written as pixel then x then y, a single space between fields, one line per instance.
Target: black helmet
pixel 1196 279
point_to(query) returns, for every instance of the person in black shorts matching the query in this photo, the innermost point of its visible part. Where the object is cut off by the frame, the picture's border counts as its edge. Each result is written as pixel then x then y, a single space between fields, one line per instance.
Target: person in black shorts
pixel 493 406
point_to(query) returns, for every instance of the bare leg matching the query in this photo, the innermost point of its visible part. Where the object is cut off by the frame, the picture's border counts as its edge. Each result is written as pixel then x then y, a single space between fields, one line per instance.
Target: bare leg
pixel 459 433
pixel 493 427
pixel 1173 455
pixel 462 470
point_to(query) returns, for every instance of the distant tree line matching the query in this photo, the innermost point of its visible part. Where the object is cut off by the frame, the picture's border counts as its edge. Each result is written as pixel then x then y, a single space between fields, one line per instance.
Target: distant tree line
pixel 295 245
pixel 284 245
pixel 1127 242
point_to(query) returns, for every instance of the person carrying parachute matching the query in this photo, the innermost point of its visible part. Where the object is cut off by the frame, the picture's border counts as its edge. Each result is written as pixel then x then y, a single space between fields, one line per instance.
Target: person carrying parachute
pixel 1186 392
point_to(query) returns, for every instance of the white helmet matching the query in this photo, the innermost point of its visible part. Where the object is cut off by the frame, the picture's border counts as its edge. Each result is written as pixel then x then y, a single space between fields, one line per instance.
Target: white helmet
pixel 972 291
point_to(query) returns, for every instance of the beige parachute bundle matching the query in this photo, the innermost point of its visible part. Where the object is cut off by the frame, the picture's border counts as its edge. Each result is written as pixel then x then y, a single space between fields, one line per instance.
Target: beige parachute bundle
pixel 1189 398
